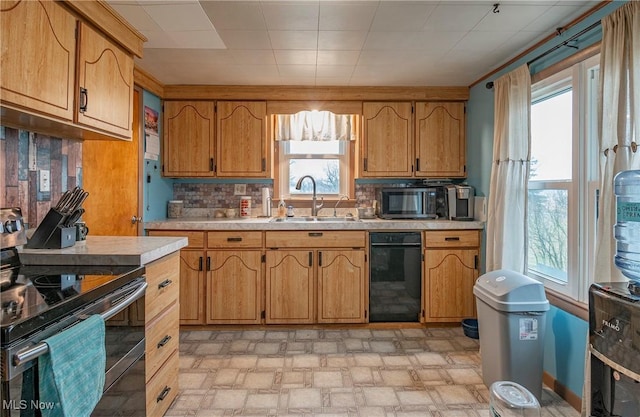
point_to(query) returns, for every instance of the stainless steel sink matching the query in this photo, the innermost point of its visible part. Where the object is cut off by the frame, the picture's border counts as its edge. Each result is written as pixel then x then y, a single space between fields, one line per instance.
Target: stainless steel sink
pixel 314 219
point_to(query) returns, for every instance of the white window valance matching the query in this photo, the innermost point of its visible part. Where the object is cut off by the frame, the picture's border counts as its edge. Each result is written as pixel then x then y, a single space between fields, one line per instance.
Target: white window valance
pixel 314 126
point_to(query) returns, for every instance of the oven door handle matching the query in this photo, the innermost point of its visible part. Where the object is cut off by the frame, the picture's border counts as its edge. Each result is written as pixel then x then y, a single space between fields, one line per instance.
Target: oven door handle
pixel 28 354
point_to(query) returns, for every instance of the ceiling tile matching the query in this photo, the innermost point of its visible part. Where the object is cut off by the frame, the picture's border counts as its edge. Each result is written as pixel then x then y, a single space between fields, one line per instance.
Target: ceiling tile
pixel 253 56
pixel 334 71
pixel 291 15
pixel 333 81
pixel 172 17
pixel 158 39
pixel 341 40
pixel 245 39
pixel 297 70
pixel 137 16
pixel 235 15
pixel 289 39
pixel 338 57
pixel 347 15
pixel 405 16
pixel 197 39
pixel 297 57
pixel 451 16
pixel 512 17
pixel 553 18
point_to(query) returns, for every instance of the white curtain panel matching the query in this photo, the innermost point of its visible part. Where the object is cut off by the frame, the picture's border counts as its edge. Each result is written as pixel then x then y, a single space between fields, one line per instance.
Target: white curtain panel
pixel 507 208
pixel 619 96
pixel 313 126
pixel 619 134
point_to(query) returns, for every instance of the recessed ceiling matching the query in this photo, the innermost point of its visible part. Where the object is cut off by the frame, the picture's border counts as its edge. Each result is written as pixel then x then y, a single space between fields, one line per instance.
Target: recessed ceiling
pixel 338 43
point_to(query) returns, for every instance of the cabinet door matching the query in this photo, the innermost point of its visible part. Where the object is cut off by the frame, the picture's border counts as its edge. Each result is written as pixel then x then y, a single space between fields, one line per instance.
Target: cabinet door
pixel 242 139
pixel 289 286
pixel 192 290
pixel 38 57
pixel 449 278
pixel 233 287
pixel 105 72
pixel 387 146
pixel 188 139
pixel 440 139
pixel 341 286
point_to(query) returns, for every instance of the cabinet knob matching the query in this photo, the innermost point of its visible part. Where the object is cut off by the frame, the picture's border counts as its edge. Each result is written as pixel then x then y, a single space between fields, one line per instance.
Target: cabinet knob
pixel 136 219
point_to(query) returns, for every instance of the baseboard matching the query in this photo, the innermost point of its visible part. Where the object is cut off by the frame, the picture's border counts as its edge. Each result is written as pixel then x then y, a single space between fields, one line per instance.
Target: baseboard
pixel 565 393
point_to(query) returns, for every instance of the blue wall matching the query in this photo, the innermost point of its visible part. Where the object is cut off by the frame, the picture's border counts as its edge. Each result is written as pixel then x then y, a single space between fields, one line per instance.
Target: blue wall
pixel 565 341
pixel 157 190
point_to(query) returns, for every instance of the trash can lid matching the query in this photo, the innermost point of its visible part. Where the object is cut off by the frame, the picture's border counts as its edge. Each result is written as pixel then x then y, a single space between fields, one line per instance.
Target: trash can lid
pixel 512 395
pixel 506 290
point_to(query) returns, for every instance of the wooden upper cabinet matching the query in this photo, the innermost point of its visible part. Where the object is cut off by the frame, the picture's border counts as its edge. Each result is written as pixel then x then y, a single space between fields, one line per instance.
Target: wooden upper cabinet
pixel 440 139
pixel 38 57
pixel 105 83
pixel 188 139
pixel 387 145
pixel 241 139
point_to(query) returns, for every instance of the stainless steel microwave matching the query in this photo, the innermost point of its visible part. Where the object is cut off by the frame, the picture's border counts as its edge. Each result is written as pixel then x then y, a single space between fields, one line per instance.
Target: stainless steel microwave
pixel 412 203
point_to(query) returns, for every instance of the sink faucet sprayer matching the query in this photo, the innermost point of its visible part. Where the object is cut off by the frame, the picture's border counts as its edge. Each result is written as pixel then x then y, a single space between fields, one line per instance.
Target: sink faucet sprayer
pixel 314 208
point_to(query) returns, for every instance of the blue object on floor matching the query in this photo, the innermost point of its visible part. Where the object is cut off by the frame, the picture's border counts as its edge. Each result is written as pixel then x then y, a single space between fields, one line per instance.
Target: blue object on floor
pixel 72 372
pixel 470 328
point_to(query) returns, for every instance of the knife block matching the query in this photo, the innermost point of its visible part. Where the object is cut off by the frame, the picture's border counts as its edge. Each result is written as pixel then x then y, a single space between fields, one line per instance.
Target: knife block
pixel 52 234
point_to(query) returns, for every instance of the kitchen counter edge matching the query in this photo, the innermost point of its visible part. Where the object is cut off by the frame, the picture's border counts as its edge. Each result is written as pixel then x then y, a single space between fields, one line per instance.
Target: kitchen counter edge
pixel 106 250
pixel 261 224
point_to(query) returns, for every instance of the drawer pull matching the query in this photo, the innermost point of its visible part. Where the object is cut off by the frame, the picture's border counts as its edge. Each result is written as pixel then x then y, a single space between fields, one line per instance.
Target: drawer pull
pixel 450 239
pixel 163 394
pixel 164 284
pixel 315 234
pixel 234 239
pixel 164 341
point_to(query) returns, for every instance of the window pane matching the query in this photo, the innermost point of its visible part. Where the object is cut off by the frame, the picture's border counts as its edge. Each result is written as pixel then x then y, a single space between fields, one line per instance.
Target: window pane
pixel 551 137
pixel 547 233
pixel 305 147
pixel 326 172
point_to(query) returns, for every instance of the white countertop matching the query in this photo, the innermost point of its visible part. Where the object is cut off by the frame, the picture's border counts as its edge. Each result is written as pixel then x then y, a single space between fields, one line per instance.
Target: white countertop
pixel 106 250
pixel 263 223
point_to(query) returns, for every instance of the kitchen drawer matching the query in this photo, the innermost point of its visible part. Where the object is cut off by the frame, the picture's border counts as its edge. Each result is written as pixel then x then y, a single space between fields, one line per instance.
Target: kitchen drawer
pixel 162 389
pixel 163 281
pixel 316 239
pixel 162 337
pixel 451 239
pixel 231 239
pixel 196 239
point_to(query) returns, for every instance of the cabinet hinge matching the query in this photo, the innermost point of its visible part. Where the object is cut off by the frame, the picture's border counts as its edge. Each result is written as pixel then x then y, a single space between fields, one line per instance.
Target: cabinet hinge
pixel 263 314
pixel 263 258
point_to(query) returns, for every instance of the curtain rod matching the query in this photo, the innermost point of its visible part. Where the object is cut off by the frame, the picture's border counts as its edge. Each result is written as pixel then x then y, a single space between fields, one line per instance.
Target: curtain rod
pixel 489 85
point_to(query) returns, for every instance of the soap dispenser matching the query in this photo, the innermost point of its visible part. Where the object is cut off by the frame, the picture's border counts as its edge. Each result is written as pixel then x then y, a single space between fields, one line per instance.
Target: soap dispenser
pixel 282 207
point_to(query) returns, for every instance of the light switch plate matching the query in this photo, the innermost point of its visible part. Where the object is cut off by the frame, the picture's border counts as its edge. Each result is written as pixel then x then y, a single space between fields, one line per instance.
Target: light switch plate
pixel 240 189
pixel 45 180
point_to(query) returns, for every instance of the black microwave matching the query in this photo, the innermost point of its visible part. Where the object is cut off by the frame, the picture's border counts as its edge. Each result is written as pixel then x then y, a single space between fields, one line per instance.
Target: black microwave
pixel 413 203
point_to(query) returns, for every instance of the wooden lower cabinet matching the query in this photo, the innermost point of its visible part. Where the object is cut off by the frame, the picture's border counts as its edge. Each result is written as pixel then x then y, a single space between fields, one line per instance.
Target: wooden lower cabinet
pixel 450 272
pixel 342 286
pixel 192 286
pixel 234 282
pixel 289 287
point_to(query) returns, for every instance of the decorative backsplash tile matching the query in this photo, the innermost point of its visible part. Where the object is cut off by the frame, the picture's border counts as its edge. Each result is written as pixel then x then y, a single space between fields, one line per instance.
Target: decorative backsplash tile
pixel 30 160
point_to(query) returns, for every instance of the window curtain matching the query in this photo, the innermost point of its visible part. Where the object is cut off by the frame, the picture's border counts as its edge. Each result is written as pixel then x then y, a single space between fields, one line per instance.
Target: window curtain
pixel 619 98
pixel 313 126
pixel 507 206
pixel 618 116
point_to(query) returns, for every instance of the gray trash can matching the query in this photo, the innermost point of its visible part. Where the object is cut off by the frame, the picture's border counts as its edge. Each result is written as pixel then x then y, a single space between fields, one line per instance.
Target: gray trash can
pixel 511 320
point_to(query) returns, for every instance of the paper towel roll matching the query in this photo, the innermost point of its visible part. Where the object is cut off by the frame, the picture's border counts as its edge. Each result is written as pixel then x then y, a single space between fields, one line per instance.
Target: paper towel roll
pixel 266 202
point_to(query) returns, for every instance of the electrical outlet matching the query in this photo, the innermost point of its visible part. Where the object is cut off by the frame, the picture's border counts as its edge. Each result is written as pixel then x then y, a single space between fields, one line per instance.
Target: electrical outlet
pixel 45 180
pixel 239 189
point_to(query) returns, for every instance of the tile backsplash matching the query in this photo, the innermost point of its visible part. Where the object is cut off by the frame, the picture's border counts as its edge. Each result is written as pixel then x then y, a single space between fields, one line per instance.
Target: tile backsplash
pixel 35 170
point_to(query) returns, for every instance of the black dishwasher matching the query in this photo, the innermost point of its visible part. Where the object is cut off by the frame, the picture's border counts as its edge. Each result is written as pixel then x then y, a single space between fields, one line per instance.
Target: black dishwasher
pixel 395 285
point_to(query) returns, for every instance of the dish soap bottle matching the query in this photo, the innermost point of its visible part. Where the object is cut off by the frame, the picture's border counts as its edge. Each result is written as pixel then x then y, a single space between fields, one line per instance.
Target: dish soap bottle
pixel 282 208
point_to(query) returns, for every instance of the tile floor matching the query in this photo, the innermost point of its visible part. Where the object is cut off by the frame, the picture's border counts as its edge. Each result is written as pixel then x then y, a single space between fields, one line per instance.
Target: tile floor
pixel 335 372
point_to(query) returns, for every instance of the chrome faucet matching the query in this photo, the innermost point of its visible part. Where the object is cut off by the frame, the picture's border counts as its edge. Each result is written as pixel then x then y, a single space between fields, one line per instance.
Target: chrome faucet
pixel 342 197
pixel 314 208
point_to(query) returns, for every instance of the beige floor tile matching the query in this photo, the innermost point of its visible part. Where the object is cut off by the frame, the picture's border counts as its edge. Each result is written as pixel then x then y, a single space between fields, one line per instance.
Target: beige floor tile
pixel 266 348
pixel 464 376
pixel 325 347
pixel 306 361
pixel 342 399
pixel 330 379
pixel 417 397
pixel 262 401
pixel 396 360
pixel 454 394
pixel 205 349
pixel 361 375
pixel 430 359
pixel 353 344
pixel 306 334
pixel 266 363
pixel 382 346
pixel 383 396
pixel 368 359
pixel 226 377
pixel 229 399
pixel 396 378
pixel 243 362
pixel 439 345
pixel 258 380
pixel 191 380
pixel 305 398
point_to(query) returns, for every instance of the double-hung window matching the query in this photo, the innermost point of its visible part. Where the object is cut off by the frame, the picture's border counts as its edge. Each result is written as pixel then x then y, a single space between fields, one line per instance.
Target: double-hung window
pixel 562 205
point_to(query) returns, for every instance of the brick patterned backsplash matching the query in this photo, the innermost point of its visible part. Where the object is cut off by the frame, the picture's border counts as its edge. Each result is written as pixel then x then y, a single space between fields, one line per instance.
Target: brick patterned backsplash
pixel 23 155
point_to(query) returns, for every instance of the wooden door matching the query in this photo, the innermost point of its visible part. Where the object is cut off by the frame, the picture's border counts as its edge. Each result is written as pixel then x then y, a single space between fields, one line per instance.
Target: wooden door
pixel 440 140
pixel 387 146
pixel 192 286
pixel 105 72
pixel 188 149
pixel 450 275
pixel 341 286
pixel 111 175
pixel 233 287
pixel 289 286
pixel 241 139
pixel 38 57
